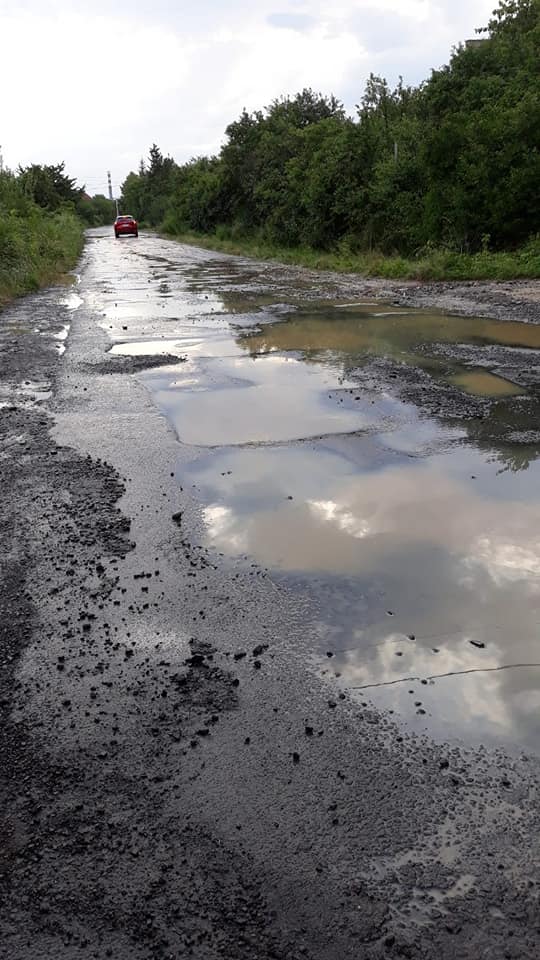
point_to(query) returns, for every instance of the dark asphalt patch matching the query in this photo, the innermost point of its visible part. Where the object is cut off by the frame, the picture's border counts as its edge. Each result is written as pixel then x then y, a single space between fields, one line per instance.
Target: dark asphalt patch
pixel 119 364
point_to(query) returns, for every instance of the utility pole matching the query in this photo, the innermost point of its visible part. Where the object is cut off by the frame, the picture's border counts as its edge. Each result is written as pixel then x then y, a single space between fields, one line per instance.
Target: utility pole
pixel 1 160
pixel 111 198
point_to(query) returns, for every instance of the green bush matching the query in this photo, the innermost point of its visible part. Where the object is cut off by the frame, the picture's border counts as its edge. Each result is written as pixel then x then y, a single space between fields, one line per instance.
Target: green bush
pixel 434 264
pixel 36 245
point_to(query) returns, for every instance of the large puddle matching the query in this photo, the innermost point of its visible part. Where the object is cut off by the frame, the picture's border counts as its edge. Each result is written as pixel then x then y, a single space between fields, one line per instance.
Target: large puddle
pixel 371 328
pixel 425 574
pixel 241 401
pixel 416 536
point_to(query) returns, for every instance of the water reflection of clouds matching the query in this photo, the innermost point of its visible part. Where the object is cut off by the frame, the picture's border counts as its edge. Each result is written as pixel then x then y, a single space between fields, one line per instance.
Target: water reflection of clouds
pixel 506 561
pixel 479 698
pixel 259 400
pixel 223 528
pixel 344 519
pixel 394 507
pixel 490 704
pixel 457 568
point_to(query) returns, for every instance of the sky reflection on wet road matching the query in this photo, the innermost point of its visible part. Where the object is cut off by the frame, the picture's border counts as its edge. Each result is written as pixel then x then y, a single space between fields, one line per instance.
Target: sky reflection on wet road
pixel 419 549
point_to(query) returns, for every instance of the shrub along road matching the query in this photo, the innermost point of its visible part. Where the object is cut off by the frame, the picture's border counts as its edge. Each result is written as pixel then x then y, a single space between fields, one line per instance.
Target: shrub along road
pixel 176 781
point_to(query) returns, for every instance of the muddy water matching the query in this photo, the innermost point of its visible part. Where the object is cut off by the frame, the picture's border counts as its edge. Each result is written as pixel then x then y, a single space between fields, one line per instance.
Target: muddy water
pixel 370 327
pixel 416 538
pixel 481 383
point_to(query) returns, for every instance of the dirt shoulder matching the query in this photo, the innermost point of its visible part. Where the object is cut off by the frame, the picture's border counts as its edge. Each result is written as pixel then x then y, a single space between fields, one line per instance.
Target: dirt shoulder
pixel 509 300
pixel 502 300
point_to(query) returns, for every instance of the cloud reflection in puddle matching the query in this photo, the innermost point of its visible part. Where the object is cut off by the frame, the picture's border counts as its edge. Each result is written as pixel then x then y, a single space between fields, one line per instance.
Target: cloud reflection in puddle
pixel 455 562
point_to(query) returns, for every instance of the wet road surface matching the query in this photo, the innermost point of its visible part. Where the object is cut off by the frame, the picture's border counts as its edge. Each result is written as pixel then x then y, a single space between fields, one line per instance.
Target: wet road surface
pixel 273 564
pixel 404 512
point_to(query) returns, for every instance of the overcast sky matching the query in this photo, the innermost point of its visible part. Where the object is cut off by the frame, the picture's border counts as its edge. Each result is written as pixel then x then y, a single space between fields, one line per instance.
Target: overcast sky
pixel 95 83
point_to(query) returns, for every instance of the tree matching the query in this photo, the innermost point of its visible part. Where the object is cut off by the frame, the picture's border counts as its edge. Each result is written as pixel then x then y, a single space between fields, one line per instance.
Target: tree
pixel 49 186
pixel 454 162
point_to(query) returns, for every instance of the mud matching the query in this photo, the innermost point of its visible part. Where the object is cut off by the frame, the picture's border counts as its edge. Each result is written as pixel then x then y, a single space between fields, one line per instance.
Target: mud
pixel 177 778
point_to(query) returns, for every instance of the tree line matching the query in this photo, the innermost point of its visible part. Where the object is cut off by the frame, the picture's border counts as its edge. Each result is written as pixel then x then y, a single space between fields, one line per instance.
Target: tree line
pixel 452 163
pixel 49 188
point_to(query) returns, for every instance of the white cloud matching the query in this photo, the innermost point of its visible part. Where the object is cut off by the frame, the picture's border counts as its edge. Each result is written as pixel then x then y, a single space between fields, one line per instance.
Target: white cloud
pixel 96 83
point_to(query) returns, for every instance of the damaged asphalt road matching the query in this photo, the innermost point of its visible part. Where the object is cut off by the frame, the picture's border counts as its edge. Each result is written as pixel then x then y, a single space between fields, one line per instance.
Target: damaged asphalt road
pixel 176 780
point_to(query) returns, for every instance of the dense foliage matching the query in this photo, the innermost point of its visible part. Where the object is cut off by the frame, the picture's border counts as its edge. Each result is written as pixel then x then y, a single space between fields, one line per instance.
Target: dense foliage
pixel 52 189
pixel 96 211
pixel 43 214
pixel 453 164
pixel 41 232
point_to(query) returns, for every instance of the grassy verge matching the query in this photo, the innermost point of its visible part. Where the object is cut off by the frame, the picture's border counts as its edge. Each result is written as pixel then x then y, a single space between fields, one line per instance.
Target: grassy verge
pixel 36 250
pixel 433 265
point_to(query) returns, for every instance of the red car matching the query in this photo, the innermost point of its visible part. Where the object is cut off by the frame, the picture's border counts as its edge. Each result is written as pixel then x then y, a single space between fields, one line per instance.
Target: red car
pixel 125 227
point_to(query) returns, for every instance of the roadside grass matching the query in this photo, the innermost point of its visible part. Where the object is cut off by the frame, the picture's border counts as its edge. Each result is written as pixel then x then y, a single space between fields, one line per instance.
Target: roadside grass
pixel 37 249
pixel 430 265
